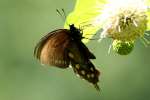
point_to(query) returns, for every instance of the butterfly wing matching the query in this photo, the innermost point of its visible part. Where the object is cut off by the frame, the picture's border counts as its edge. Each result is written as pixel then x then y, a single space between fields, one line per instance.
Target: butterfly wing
pixel 81 64
pixel 87 71
pixel 59 49
pixel 86 51
pixel 51 50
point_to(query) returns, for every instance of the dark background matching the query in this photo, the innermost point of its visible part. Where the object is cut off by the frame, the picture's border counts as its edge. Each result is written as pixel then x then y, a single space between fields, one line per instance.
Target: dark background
pixel 22 77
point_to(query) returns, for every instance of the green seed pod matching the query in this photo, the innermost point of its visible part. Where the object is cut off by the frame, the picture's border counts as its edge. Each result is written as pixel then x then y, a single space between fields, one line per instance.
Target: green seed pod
pixel 123 47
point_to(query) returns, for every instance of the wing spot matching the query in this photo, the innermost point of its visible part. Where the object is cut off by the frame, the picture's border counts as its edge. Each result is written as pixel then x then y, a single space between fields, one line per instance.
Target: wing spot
pixel 91 69
pixel 59 61
pixel 77 75
pixel 70 66
pixel 77 66
pixel 71 55
pixel 56 61
pixel 63 62
pixel 88 75
pixel 82 72
pixel 92 75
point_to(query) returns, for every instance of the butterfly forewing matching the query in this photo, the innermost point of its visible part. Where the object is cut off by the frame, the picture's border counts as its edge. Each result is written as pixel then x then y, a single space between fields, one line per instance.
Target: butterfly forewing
pixel 51 49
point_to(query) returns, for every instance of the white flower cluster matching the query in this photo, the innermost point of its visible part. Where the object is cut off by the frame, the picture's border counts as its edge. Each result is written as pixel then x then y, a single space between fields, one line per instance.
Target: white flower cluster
pixel 124 20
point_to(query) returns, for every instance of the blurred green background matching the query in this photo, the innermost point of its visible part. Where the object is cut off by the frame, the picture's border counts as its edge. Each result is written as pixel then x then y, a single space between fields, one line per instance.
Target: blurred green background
pixel 22 77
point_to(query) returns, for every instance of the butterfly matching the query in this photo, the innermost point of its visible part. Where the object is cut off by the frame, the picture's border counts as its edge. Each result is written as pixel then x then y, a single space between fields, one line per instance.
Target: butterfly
pixel 64 47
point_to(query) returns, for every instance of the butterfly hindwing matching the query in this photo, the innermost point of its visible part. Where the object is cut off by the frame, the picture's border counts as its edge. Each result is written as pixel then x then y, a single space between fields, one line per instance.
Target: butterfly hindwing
pixel 51 49
pixel 80 56
pixel 87 71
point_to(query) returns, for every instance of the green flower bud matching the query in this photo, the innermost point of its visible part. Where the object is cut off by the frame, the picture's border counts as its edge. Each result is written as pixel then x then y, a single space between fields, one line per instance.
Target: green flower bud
pixel 123 47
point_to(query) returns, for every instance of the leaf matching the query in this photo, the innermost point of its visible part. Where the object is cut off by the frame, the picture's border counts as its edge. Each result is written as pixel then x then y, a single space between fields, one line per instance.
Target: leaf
pixel 83 16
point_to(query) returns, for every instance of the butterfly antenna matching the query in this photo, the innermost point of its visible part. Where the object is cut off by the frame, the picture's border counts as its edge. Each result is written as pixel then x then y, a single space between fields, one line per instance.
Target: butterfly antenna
pixel 61 15
pixel 64 13
pixel 65 16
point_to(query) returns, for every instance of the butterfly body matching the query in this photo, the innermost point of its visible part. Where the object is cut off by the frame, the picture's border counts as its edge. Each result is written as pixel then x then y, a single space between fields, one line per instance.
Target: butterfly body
pixel 63 47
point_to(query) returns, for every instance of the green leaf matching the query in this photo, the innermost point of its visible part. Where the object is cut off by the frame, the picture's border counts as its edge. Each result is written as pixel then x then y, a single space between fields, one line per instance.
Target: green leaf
pixel 83 16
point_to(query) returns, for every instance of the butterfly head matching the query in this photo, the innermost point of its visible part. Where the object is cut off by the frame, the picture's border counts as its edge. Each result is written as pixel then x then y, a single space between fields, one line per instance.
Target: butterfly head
pixel 75 32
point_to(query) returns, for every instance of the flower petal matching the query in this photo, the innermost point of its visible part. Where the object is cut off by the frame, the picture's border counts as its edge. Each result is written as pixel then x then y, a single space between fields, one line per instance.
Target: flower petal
pixel 83 16
pixel 148 13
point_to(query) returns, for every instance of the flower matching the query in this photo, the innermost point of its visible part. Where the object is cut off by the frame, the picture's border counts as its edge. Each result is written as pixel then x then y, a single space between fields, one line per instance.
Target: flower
pixel 124 21
pixel 83 15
